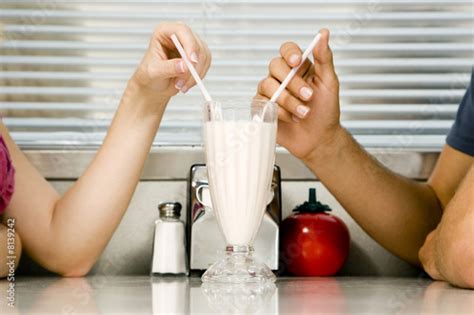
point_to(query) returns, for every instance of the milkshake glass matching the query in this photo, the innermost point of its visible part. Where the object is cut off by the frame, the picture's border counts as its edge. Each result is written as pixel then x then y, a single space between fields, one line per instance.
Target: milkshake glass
pixel 239 140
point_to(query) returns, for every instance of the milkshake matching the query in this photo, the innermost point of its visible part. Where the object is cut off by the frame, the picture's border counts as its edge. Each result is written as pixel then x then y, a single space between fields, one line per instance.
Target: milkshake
pixel 240 159
pixel 240 154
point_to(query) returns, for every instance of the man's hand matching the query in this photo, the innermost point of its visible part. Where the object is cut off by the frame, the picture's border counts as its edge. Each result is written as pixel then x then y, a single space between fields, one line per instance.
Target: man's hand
pixel 309 107
pixel 428 256
pixel 162 70
pixel 447 253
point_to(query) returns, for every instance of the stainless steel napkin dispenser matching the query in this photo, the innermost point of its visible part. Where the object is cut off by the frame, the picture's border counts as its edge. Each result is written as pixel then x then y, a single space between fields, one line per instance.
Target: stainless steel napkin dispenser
pixel 205 241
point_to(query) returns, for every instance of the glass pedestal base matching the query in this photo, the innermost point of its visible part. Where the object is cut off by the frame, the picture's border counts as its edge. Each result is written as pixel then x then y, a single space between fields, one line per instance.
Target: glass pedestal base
pixel 238 266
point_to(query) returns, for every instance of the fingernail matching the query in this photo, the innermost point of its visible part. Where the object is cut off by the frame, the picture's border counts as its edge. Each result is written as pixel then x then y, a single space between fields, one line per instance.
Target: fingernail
pixel 179 84
pixel 180 68
pixel 184 89
pixel 194 57
pixel 306 93
pixel 295 119
pixel 294 59
pixel 302 110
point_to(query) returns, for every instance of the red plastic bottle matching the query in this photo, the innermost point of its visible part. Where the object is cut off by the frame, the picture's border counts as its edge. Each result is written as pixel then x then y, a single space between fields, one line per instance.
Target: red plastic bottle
pixel 313 242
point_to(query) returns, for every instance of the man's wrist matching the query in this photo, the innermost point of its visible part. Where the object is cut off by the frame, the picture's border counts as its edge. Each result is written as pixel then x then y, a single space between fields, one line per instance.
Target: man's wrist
pixel 328 148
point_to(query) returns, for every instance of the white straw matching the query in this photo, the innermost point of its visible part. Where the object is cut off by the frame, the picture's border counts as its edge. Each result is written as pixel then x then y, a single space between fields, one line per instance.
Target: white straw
pixel 293 71
pixel 195 75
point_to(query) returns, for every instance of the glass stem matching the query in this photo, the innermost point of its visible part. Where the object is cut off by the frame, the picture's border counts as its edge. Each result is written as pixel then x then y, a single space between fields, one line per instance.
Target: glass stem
pixel 239 250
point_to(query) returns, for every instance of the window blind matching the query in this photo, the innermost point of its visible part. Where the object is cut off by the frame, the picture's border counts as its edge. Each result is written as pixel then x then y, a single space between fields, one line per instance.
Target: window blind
pixel 403 65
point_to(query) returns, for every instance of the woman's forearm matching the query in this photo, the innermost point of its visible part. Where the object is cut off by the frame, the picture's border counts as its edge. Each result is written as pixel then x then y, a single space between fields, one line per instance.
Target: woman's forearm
pixel 395 211
pixel 84 219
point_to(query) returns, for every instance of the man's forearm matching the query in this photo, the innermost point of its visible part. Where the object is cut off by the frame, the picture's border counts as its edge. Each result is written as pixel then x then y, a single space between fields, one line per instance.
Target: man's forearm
pixel 454 249
pixel 395 211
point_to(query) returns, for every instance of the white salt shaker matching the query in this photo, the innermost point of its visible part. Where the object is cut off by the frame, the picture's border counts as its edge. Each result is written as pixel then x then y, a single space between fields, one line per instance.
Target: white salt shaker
pixel 169 247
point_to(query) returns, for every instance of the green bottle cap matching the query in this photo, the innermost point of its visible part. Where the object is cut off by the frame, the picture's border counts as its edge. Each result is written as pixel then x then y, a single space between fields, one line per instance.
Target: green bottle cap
pixel 312 205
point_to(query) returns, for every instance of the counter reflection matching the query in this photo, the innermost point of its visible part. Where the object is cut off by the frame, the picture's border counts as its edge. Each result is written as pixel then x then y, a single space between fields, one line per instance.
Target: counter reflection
pixel 246 298
pixel 311 296
pixel 170 295
pixel 52 296
pixel 190 295
pixel 441 298
pixel 183 295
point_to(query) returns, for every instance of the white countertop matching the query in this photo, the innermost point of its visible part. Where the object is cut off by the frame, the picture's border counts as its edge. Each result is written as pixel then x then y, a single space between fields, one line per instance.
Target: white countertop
pixel 145 295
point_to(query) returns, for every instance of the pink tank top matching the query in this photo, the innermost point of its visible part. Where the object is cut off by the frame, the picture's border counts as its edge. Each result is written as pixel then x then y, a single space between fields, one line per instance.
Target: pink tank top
pixel 7 176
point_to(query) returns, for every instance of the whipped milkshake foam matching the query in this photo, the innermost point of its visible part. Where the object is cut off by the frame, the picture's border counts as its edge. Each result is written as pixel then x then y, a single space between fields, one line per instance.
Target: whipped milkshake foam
pixel 240 159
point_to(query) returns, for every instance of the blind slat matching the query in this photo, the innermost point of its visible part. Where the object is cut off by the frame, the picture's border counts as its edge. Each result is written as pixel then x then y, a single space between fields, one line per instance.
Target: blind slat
pixel 159 15
pixel 278 32
pixel 464 63
pixel 359 126
pixel 267 2
pixel 419 110
pixel 365 93
pixel 71 45
pixel 451 80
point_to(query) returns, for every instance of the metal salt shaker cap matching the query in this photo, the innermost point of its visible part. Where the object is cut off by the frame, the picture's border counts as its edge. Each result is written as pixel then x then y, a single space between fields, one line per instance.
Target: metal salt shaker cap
pixel 170 210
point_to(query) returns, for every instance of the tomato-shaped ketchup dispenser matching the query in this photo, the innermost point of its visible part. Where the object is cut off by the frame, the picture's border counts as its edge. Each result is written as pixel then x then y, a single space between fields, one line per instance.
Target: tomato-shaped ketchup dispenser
pixel 313 242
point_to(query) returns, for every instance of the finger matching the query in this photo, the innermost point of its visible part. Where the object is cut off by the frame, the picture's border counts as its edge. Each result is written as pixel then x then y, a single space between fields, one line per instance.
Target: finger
pixel 260 97
pixel 291 52
pixel 283 114
pixel 206 52
pixel 295 119
pixel 180 82
pixel 190 82
pixel 185 36
pixel 165 69
pixel 323 58
pixel 286 100
pixel 297 86
pixel 201 68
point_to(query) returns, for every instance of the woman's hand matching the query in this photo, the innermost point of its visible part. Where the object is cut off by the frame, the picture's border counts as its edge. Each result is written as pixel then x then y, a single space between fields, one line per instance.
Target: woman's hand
pixel 309 107
pixel 162 71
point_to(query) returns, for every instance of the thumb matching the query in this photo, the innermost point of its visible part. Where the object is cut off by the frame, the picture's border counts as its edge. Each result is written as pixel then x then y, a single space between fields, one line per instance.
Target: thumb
pixel 323 58
pixel 166 69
